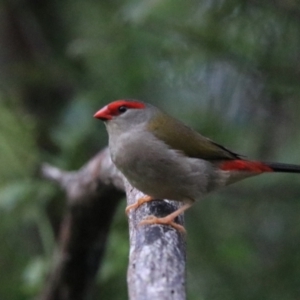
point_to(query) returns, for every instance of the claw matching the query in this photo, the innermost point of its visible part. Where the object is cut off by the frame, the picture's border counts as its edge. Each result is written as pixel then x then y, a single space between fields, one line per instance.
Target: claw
pixel 167 220
pixel 163 221
pixel 138 203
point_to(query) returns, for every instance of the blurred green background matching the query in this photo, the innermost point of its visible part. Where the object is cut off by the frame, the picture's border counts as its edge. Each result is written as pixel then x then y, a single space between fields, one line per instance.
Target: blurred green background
pixel 230 69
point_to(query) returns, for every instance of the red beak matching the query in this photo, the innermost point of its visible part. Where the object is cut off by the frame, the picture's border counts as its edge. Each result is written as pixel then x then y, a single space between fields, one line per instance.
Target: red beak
pixel 103 114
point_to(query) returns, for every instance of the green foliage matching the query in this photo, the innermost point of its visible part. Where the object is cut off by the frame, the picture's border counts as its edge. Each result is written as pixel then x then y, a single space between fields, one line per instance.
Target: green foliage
pixel 17 144
pixel 229 68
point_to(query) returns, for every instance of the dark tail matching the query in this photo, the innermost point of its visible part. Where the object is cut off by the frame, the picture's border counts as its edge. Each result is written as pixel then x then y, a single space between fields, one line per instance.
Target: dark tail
pixel 279 167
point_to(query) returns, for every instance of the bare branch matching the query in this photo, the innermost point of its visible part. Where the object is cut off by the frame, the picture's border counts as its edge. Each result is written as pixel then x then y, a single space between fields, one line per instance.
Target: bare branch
pixel 92 197
pixel 157 253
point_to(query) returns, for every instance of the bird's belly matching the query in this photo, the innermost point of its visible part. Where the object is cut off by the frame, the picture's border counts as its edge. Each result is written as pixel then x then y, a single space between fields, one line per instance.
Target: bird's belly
pixel 158 181
pixel 161 172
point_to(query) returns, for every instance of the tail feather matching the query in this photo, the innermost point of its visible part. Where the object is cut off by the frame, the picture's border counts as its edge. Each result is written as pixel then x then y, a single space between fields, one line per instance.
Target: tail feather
pixel 280 167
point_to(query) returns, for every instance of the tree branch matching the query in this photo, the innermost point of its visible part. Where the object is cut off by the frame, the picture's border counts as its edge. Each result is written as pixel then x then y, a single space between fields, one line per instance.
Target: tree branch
pixel 157 253
pixel 93 193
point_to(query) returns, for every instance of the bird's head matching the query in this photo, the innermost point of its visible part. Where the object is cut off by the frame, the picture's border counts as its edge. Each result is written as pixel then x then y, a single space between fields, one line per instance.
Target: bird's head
pixel 124 114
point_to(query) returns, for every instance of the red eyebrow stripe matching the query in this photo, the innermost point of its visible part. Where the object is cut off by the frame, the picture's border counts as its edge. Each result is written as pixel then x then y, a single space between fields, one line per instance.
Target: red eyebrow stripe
pixel 245 165
pixel 130 104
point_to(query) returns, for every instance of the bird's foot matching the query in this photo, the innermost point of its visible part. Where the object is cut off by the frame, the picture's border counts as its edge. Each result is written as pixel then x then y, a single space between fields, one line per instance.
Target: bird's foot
pixel 163 221
pixel 138 203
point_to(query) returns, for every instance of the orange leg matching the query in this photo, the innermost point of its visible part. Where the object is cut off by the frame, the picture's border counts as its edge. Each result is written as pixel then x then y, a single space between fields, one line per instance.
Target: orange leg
pixel 169 219
pixel 138 203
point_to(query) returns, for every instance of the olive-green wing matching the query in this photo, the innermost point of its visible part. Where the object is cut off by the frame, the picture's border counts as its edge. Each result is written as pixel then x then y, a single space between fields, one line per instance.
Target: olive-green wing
pixel 180 137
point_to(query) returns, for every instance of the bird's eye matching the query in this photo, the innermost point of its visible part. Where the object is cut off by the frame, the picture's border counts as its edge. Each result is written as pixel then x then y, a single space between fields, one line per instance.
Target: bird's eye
pixel 122 109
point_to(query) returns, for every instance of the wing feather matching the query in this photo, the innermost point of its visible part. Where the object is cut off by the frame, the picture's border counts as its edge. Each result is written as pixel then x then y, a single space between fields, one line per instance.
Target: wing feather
pixel 183 138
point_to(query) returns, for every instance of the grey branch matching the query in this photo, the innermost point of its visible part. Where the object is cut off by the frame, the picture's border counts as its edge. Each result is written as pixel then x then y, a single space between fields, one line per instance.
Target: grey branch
pixel 157 253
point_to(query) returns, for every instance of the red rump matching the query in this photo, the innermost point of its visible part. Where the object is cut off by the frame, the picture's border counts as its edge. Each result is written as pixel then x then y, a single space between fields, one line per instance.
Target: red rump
pixel 245 165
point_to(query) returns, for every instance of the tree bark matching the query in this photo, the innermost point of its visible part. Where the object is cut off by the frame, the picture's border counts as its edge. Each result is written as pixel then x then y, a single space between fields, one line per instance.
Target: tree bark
pixel 157 253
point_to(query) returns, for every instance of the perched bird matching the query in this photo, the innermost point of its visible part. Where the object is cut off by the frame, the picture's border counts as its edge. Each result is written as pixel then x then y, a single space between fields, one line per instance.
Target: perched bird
pixel 165 159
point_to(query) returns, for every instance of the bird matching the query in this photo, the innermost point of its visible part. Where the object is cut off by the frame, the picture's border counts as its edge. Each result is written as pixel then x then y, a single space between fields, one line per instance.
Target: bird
pixel 165 159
